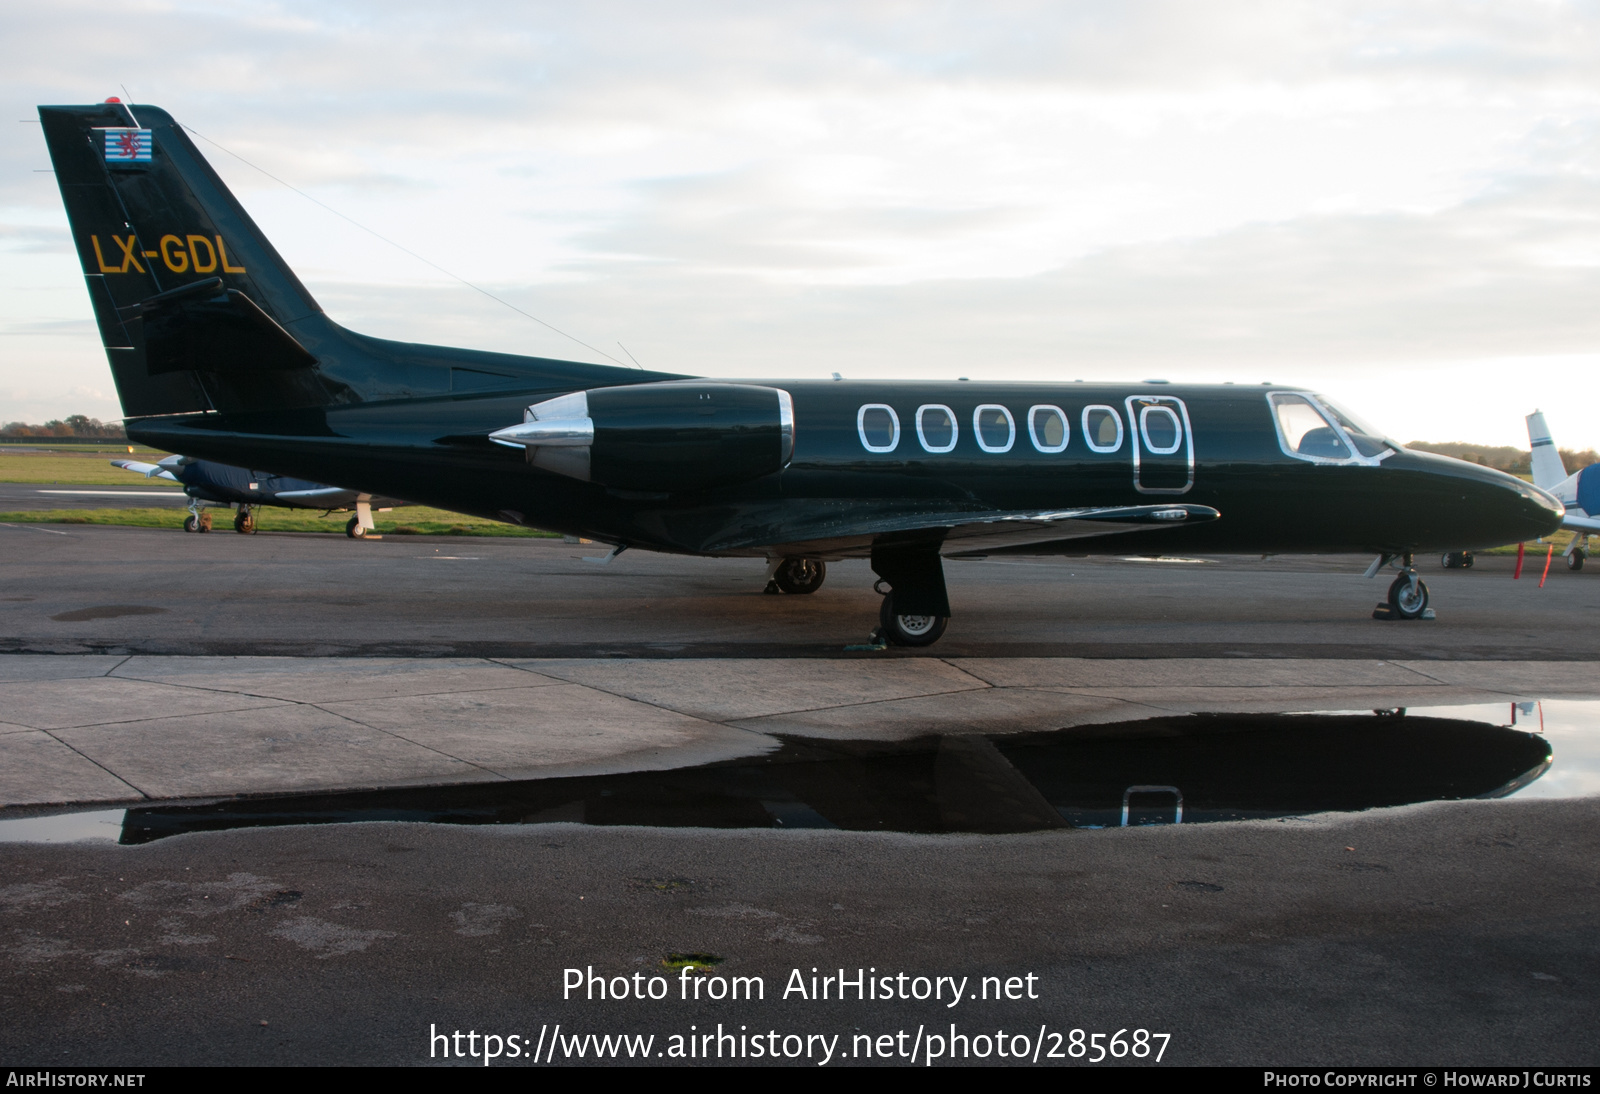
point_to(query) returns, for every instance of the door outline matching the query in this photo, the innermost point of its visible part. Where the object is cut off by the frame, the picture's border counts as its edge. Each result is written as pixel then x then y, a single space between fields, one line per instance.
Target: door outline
pixel 1136 440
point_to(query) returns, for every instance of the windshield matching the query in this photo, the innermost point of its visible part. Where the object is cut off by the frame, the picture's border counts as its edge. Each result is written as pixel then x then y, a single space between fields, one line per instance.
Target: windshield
pixel 1368 441
pixel 1305 431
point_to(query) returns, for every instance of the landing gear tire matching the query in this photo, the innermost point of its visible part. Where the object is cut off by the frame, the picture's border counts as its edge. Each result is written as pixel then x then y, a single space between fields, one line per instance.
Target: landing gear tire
pixel 1575 560
pixel 1408 598
pixel 800 575
pixel 245 523
pixel 1457 560
pixel 353 529
pixel 191 523
pixel 910 630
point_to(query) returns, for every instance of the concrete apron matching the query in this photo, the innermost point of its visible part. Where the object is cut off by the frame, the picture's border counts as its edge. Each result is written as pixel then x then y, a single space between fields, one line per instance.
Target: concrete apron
pixel 78 730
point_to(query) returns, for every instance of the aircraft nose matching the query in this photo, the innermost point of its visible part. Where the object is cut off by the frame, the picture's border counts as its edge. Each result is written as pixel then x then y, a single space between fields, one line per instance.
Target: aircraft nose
pixel 1452 505
pixel 1519 510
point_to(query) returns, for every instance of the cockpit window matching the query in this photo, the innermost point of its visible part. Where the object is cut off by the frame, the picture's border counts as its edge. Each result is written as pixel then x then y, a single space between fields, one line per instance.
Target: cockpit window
pixel 1303 431
pixel 1368 441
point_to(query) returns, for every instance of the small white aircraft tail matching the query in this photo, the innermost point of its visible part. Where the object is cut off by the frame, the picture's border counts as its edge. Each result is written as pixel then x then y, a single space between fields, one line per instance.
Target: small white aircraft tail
pixel 1579 492
pixel 1548 471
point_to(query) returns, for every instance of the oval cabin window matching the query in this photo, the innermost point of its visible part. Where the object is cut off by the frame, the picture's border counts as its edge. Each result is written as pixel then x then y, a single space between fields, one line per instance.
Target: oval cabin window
pixel 1162 433
pixel 936 428
pixel 879 427
pixel 995 429
pixel 1102 428
pixel 1048 429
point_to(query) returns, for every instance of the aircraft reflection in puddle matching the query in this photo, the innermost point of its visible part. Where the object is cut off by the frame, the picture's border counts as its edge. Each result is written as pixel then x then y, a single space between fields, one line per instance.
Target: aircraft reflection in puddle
pixel 1189 767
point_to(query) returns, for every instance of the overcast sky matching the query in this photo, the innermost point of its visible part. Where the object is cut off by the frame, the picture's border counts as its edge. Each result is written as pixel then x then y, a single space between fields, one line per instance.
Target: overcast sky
pixel 1398 204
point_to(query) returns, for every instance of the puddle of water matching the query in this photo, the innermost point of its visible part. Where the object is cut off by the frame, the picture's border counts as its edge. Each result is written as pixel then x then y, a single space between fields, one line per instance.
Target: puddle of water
pixel 1197 768
pixel 105 824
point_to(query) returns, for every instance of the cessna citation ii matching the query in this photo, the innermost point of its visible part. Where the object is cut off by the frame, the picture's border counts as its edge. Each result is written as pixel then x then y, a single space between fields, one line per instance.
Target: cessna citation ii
pixel 219 352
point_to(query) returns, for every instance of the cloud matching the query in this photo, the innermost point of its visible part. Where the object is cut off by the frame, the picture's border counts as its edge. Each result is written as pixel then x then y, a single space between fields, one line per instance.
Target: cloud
pixel 1346 189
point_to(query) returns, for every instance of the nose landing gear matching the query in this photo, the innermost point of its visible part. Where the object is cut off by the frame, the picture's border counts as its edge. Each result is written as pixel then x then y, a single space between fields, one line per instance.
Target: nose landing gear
pixel 1408 595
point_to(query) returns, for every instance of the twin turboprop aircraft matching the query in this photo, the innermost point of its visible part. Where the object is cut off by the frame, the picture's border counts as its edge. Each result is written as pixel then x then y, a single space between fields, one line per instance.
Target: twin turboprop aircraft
pixel 218 351
pixel 218 484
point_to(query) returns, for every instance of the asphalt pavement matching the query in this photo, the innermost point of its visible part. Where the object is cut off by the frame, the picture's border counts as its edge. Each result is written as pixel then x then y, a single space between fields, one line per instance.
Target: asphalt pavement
pixel 19 497
pixel 1450 933
pixel 93 589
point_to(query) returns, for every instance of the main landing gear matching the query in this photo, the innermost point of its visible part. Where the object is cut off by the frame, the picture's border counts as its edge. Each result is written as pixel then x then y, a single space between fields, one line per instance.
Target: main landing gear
pixel 898 629
pixel 1577 552
pixel 1456 560
pixel 244 521
pixel 1408 595
pixel 198 520
pixel 360 526
pixel 796 575
pixel 916 608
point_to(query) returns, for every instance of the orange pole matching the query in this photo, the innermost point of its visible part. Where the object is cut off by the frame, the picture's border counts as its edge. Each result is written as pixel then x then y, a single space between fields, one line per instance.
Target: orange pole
pixel 1550 554
pixel 1518 571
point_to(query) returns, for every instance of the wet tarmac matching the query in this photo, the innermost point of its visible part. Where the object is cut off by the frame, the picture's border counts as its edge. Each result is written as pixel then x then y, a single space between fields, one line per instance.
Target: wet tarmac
pixel 1188 769
pixel 91 589
pixel 501 766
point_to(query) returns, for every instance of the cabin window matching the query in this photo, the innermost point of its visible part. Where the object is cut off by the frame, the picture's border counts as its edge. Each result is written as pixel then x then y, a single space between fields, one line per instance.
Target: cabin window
pixel 1159 427
pixel 1102 428
pixel 1304 431
pixel 879 427
pixel 936 427
pixel 1048 429
pixel 994 427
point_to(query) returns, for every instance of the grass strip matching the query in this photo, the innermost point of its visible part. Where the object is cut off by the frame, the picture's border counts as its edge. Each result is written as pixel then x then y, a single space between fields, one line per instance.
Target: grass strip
pixel 415 520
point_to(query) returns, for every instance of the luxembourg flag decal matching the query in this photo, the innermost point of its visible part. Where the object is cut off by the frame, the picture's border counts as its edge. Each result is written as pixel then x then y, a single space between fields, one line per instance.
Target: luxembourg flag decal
pixel 127 145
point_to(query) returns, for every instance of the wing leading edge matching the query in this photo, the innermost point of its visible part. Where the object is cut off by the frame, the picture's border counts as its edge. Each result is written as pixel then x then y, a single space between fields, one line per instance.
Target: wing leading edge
pixel 963 534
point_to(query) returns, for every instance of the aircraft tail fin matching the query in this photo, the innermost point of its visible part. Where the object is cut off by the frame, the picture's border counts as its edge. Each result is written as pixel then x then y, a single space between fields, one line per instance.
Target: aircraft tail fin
pixel 1548 471
pixel 192 301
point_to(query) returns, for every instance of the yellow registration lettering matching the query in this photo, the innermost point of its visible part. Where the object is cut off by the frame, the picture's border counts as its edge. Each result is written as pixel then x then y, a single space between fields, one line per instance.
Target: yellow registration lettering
pixel 195 244
pixel 173 254
pixel 100 258
pixel 128 257
pixel 223 251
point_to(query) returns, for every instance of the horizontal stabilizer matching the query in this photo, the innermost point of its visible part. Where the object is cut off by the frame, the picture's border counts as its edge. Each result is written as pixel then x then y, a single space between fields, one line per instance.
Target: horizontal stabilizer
pixel 208 326
pixel 148 470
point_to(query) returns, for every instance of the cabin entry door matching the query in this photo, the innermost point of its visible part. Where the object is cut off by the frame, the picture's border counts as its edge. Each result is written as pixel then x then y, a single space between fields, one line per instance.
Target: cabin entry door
pixel 1162 444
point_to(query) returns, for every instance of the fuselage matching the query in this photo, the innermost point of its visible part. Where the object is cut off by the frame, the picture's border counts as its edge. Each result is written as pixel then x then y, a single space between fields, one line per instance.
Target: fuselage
pixel 919 448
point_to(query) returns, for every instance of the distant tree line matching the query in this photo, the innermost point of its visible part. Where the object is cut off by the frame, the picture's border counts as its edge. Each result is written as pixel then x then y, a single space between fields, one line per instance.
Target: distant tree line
pixel 74 425
pixel 1505 458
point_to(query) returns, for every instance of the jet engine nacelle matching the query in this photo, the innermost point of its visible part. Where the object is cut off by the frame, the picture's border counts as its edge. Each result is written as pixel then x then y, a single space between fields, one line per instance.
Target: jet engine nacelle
pixel 659 438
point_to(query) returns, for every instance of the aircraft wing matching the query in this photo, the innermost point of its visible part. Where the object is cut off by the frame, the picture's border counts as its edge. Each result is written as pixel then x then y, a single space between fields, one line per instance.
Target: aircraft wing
pixel 1573 522
pixel 963 534
pixel 148 470
pixel 332 497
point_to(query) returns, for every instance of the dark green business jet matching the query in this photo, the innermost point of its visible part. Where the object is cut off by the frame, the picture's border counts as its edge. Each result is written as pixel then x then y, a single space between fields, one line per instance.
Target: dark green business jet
pixel 220 353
